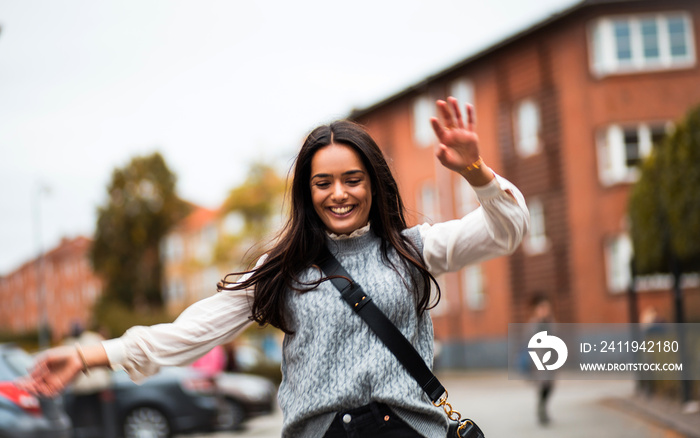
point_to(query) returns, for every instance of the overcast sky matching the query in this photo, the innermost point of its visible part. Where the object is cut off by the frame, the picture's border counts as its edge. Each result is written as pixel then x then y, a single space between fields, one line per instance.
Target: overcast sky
pixel 212 85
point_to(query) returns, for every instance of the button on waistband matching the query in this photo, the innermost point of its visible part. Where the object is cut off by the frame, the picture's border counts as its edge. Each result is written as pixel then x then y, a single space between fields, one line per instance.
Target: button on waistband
pixel 347 418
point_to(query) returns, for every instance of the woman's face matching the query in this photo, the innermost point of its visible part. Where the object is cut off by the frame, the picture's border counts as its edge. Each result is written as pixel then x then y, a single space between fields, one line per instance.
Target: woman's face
pixel 340 189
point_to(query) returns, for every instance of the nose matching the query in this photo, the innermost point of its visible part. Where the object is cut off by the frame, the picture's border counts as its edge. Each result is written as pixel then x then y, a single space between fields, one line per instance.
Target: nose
pixel 339 193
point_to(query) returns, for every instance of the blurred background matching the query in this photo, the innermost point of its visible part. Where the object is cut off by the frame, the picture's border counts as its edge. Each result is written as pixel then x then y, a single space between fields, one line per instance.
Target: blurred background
pixel 144 151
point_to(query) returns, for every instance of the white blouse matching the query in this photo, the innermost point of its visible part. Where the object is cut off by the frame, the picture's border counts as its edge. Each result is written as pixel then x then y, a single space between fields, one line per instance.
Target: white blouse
pixel 495 228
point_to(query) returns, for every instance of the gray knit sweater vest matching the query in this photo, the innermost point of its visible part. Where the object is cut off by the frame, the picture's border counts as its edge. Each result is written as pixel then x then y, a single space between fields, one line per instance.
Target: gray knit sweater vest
pixel 333 361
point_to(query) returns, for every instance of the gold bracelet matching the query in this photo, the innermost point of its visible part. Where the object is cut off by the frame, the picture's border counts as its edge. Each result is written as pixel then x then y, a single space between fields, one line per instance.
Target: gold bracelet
pixel 86 370
pixel 475 165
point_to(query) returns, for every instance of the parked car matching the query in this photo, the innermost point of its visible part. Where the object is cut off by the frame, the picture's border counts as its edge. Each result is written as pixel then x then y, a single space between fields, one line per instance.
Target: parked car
pixel 245 396
pixel 23 415
pixel 174 401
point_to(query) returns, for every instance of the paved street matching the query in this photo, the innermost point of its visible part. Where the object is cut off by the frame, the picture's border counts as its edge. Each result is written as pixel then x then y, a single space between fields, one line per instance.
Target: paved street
pixel 504 408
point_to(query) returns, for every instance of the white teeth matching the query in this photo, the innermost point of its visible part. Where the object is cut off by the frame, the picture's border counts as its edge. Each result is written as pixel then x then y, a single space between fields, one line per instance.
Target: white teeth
pixel 341 210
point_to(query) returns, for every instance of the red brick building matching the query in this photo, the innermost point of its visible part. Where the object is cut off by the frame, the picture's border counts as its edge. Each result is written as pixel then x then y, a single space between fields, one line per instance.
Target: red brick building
pixel 187 254
pixel 61 283
pixel 565 109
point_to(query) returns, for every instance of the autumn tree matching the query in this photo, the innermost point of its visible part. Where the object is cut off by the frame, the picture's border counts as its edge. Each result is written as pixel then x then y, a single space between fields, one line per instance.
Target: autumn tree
pixel 253 211
pixel 141 207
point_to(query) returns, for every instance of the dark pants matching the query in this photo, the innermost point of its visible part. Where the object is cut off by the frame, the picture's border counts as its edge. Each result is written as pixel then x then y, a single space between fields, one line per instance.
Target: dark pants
pixel 372 420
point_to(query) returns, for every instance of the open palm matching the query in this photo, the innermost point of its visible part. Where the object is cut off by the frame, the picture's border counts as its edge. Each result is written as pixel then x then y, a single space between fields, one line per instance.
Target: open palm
pixel 459 144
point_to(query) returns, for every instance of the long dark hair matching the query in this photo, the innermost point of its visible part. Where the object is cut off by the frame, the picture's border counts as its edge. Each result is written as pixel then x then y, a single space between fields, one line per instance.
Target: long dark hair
pixel 302 240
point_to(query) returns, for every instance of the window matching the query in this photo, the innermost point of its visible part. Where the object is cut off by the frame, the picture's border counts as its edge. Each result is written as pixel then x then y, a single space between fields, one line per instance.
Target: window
pixel 631 43
pixel 173 248
pixel 444 304
pixel 175 290
pixel 463 91
pixel 622 148
pixel 423 110
pixel 536 240
pixel 526 126
pixel 234 223
pixel 429 202
pixel 467 200
pixel 618 253
pixel 473 278
pixel 207 241
pixel 210 277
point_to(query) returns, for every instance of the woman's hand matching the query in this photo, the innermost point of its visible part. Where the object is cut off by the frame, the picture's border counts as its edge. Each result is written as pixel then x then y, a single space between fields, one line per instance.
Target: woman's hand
pixel 459 145
pixel 53 371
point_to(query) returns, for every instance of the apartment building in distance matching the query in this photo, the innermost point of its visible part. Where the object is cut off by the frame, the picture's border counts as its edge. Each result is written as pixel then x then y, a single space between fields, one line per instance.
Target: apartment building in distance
pixel 565 110
pixel 189 272
pixel 60 285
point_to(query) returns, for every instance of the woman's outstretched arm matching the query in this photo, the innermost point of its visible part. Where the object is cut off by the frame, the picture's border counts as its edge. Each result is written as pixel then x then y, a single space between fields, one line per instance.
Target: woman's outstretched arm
pixel 141 351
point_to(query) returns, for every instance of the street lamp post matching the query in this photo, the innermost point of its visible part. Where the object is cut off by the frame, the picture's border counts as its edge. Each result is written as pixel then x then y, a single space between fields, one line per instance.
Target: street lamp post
pixel 42 325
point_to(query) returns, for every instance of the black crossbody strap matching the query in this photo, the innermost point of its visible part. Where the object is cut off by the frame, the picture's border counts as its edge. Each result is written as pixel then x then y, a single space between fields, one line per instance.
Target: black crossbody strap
pixel 387 332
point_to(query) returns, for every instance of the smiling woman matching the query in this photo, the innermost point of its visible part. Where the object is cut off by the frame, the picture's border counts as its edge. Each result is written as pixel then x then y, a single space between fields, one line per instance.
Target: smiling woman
pixel 338 378
pixel 340 189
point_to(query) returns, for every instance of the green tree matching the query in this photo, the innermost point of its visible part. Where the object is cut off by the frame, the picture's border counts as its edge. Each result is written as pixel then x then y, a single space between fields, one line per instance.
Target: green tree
pixel 665 203
pixel 664 210
pixel 142 206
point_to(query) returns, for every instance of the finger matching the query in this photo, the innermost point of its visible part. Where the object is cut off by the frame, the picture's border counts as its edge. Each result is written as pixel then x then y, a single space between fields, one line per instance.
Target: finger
pixel 445 114
pixel 457 112
pixel 471 118
pixel 39 371
pixel 441 153
pixel 437 127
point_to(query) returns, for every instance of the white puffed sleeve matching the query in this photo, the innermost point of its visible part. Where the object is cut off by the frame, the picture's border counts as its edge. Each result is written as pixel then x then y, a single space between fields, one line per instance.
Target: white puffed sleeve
pixel 141 351
pixel 494 229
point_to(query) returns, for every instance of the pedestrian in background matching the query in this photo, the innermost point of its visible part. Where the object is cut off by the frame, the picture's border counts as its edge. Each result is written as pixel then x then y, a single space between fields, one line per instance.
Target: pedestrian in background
pixel 542 320
pixel 339 379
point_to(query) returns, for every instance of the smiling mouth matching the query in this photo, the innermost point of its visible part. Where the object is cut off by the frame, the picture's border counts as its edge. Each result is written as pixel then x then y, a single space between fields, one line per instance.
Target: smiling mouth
pixel 342 210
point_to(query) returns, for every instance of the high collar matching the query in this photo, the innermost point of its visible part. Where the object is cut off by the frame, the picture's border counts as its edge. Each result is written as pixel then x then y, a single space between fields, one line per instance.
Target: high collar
pixel 357 241
pixel 357 233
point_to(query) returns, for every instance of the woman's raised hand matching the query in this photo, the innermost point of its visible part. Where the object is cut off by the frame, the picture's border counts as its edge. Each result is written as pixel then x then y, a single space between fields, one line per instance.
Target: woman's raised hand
pixel 458 149
pixel 53 371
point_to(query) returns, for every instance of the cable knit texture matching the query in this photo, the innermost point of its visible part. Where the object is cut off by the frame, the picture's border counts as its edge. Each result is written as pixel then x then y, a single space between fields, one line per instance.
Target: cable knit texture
pixel 335 359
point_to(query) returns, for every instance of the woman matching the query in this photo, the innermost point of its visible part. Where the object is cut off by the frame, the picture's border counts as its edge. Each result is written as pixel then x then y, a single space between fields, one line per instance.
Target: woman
pixel 338 378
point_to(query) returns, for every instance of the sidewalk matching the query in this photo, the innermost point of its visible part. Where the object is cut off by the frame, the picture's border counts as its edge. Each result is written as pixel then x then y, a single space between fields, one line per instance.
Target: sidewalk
pixel 579 409
pixel 664 412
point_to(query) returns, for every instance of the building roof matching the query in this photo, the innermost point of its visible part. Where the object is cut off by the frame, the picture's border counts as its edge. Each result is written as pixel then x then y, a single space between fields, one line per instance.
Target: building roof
pixel 357 113
pixel 67 247
pixel 197 219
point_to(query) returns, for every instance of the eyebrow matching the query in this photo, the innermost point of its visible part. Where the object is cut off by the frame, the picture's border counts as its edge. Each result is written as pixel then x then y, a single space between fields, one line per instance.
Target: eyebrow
pixel 328 175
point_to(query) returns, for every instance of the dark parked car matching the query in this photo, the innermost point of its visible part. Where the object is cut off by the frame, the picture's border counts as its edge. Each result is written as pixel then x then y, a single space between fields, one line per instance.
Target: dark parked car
pixel 21 414
pixel 174 401
pixel 245 396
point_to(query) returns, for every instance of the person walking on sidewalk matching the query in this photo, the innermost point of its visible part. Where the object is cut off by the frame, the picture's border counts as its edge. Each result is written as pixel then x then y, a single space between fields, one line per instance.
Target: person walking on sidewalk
pixel 542 320
pixel 339 380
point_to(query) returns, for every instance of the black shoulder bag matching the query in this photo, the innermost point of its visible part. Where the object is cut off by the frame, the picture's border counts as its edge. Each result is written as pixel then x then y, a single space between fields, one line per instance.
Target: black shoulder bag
pixel 397 343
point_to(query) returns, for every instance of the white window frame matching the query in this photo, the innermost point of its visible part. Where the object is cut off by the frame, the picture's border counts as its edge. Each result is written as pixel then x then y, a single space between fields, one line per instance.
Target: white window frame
pixel 467 200
pixel 474 290
pixel 612 151
pixel 444 304
pixel 429 202
pixel 536 241
pixel 603 44
pixel 233 223
pixel 618 254
pixel 174 248
pixel 423 110
pixel 207 239
pixel 527 127
pixel 463 90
